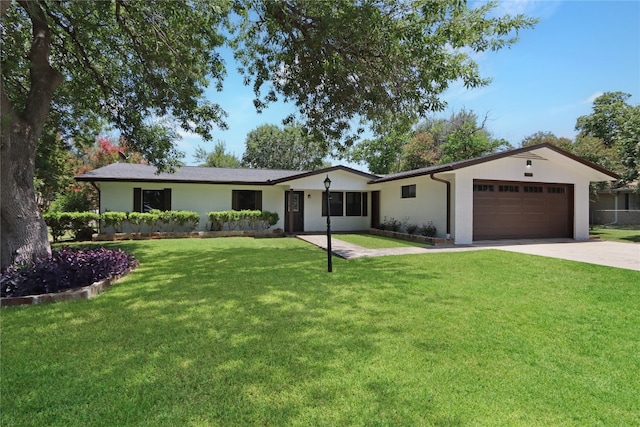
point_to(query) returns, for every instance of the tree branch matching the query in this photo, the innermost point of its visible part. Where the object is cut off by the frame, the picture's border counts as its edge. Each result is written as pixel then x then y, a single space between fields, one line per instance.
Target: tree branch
pixel 44 78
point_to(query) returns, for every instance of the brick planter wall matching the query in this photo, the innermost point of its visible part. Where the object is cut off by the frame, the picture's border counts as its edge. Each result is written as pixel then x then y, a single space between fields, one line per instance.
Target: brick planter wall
pixel 102 237
pixel 86 292
pixel 436 241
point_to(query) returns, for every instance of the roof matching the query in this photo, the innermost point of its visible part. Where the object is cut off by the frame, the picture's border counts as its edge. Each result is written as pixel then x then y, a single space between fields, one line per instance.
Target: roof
pixel 129 172
pixel 186 174
pixel 490 157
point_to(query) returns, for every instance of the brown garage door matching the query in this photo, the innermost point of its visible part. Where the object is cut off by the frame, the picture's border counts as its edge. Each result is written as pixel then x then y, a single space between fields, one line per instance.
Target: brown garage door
pixel 519 210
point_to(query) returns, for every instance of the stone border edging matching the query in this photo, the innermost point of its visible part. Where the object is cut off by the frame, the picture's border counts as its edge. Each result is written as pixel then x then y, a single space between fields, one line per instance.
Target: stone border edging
pixel 105 237
pixel 436 241
pixel 85 292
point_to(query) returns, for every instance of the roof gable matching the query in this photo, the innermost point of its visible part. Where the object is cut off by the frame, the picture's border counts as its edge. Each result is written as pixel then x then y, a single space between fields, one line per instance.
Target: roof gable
pixel 524 152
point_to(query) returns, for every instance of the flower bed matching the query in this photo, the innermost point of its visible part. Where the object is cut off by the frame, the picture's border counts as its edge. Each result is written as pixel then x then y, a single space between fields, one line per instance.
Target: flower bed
pixel 67 273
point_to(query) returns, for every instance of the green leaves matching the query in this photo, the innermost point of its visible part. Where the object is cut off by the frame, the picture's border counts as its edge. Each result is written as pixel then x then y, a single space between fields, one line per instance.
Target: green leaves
pixel 344 61
pixel 289 148
pixel 617 124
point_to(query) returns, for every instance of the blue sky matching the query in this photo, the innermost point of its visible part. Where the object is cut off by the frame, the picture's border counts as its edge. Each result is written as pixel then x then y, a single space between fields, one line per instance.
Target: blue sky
pixel 577 51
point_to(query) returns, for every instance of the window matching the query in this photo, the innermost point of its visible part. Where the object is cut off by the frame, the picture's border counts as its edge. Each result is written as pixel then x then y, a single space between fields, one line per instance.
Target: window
pixel 555 190
pixel 532 189
pixel 354 204
pixel 146 200
pixel 365 204
pixel 408 191
pixel 246 200
pixel 509 188
pixel 336 201
pixel 482 187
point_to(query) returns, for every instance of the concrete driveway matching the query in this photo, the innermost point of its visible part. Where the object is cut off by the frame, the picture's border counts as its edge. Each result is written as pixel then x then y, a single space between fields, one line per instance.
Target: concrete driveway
pixel 611 254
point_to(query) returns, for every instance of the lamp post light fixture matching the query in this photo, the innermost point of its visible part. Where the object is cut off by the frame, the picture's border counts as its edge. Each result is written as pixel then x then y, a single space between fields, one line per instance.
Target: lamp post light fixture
pixel 327 184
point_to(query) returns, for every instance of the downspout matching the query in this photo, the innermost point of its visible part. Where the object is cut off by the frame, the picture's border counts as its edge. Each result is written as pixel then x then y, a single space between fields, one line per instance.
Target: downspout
pixel 448 202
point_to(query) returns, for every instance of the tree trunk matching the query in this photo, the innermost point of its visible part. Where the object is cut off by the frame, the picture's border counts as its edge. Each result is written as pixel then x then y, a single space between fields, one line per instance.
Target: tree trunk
pixel 23 231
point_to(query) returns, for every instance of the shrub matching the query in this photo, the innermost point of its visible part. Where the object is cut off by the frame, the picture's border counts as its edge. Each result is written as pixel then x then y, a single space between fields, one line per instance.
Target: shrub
pixel 428 229
pixel 78 223
pixel 151 219
pixel 57 224
pixel 64 269
pixel 136 219
pixel 165 219
pixel 391 224
pixel 269 218
pixel 411 228
pixel 82 224
pixel 188 220
pixel 246 219
pixel 114 219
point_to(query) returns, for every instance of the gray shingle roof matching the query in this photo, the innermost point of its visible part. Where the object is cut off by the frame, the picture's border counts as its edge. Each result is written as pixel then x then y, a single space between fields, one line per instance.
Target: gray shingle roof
pixel 193 174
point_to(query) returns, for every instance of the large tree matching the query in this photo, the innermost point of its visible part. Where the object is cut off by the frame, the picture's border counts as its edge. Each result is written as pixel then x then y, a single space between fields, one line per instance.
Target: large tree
pixel 289 148
pixel 125 61
pixel 617 124
pixel 129 62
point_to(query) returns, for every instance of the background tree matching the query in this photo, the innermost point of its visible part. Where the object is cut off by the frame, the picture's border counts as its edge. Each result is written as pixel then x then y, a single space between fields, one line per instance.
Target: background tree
pixel 617 124
pixel 126 62
pixel 289 148
pixel 548 137
pixel 433 141
pixel 382 155
pixel 55 167
pixel 218 158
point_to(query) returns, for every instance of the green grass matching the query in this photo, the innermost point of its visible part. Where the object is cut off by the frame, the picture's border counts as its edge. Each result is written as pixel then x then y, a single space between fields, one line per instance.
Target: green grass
pixel 617 233
pixel 371 241
pixel 237 331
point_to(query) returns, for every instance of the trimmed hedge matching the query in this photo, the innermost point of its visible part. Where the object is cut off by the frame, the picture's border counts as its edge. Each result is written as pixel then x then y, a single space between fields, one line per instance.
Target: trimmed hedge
pixel 242 220
pixel 83 224
pixel 78 223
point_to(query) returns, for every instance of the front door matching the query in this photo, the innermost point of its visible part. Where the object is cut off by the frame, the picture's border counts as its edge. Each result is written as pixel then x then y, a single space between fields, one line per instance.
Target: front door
pixel 294 217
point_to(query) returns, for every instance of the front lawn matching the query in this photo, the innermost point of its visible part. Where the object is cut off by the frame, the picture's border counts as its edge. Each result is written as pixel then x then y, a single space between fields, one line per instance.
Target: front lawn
pixel 620 233
pixel 240 331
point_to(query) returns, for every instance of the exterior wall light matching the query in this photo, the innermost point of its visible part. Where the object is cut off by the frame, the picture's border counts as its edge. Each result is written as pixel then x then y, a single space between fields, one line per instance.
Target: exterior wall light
pixel 529 164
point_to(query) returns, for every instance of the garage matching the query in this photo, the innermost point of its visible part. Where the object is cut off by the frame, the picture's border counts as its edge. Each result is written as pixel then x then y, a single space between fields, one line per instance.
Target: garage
pixel 521 210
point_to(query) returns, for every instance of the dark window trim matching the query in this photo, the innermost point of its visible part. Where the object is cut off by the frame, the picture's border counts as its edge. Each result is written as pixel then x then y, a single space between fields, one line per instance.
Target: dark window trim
pixel 236 196
pixel 409 191
pixel 335 205
pixel 354 207
pixel 138 199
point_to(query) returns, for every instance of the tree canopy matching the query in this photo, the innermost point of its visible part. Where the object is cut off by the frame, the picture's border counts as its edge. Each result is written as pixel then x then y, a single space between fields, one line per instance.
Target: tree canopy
pixel 128 63
pixel 218 158
pixel 431 142
pixel 617 124
pixel 288 148
pixel 343 60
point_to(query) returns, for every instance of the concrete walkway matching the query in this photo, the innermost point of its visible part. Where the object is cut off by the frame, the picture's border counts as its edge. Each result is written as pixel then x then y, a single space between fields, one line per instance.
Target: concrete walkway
pixel 612 254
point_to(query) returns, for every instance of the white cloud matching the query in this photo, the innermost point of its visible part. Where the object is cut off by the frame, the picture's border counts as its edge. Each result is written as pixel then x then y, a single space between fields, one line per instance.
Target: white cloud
pixel 592 98
pixel 536 8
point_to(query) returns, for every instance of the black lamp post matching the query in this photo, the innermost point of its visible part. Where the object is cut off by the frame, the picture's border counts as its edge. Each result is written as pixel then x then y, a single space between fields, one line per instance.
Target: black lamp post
pixel 327 184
